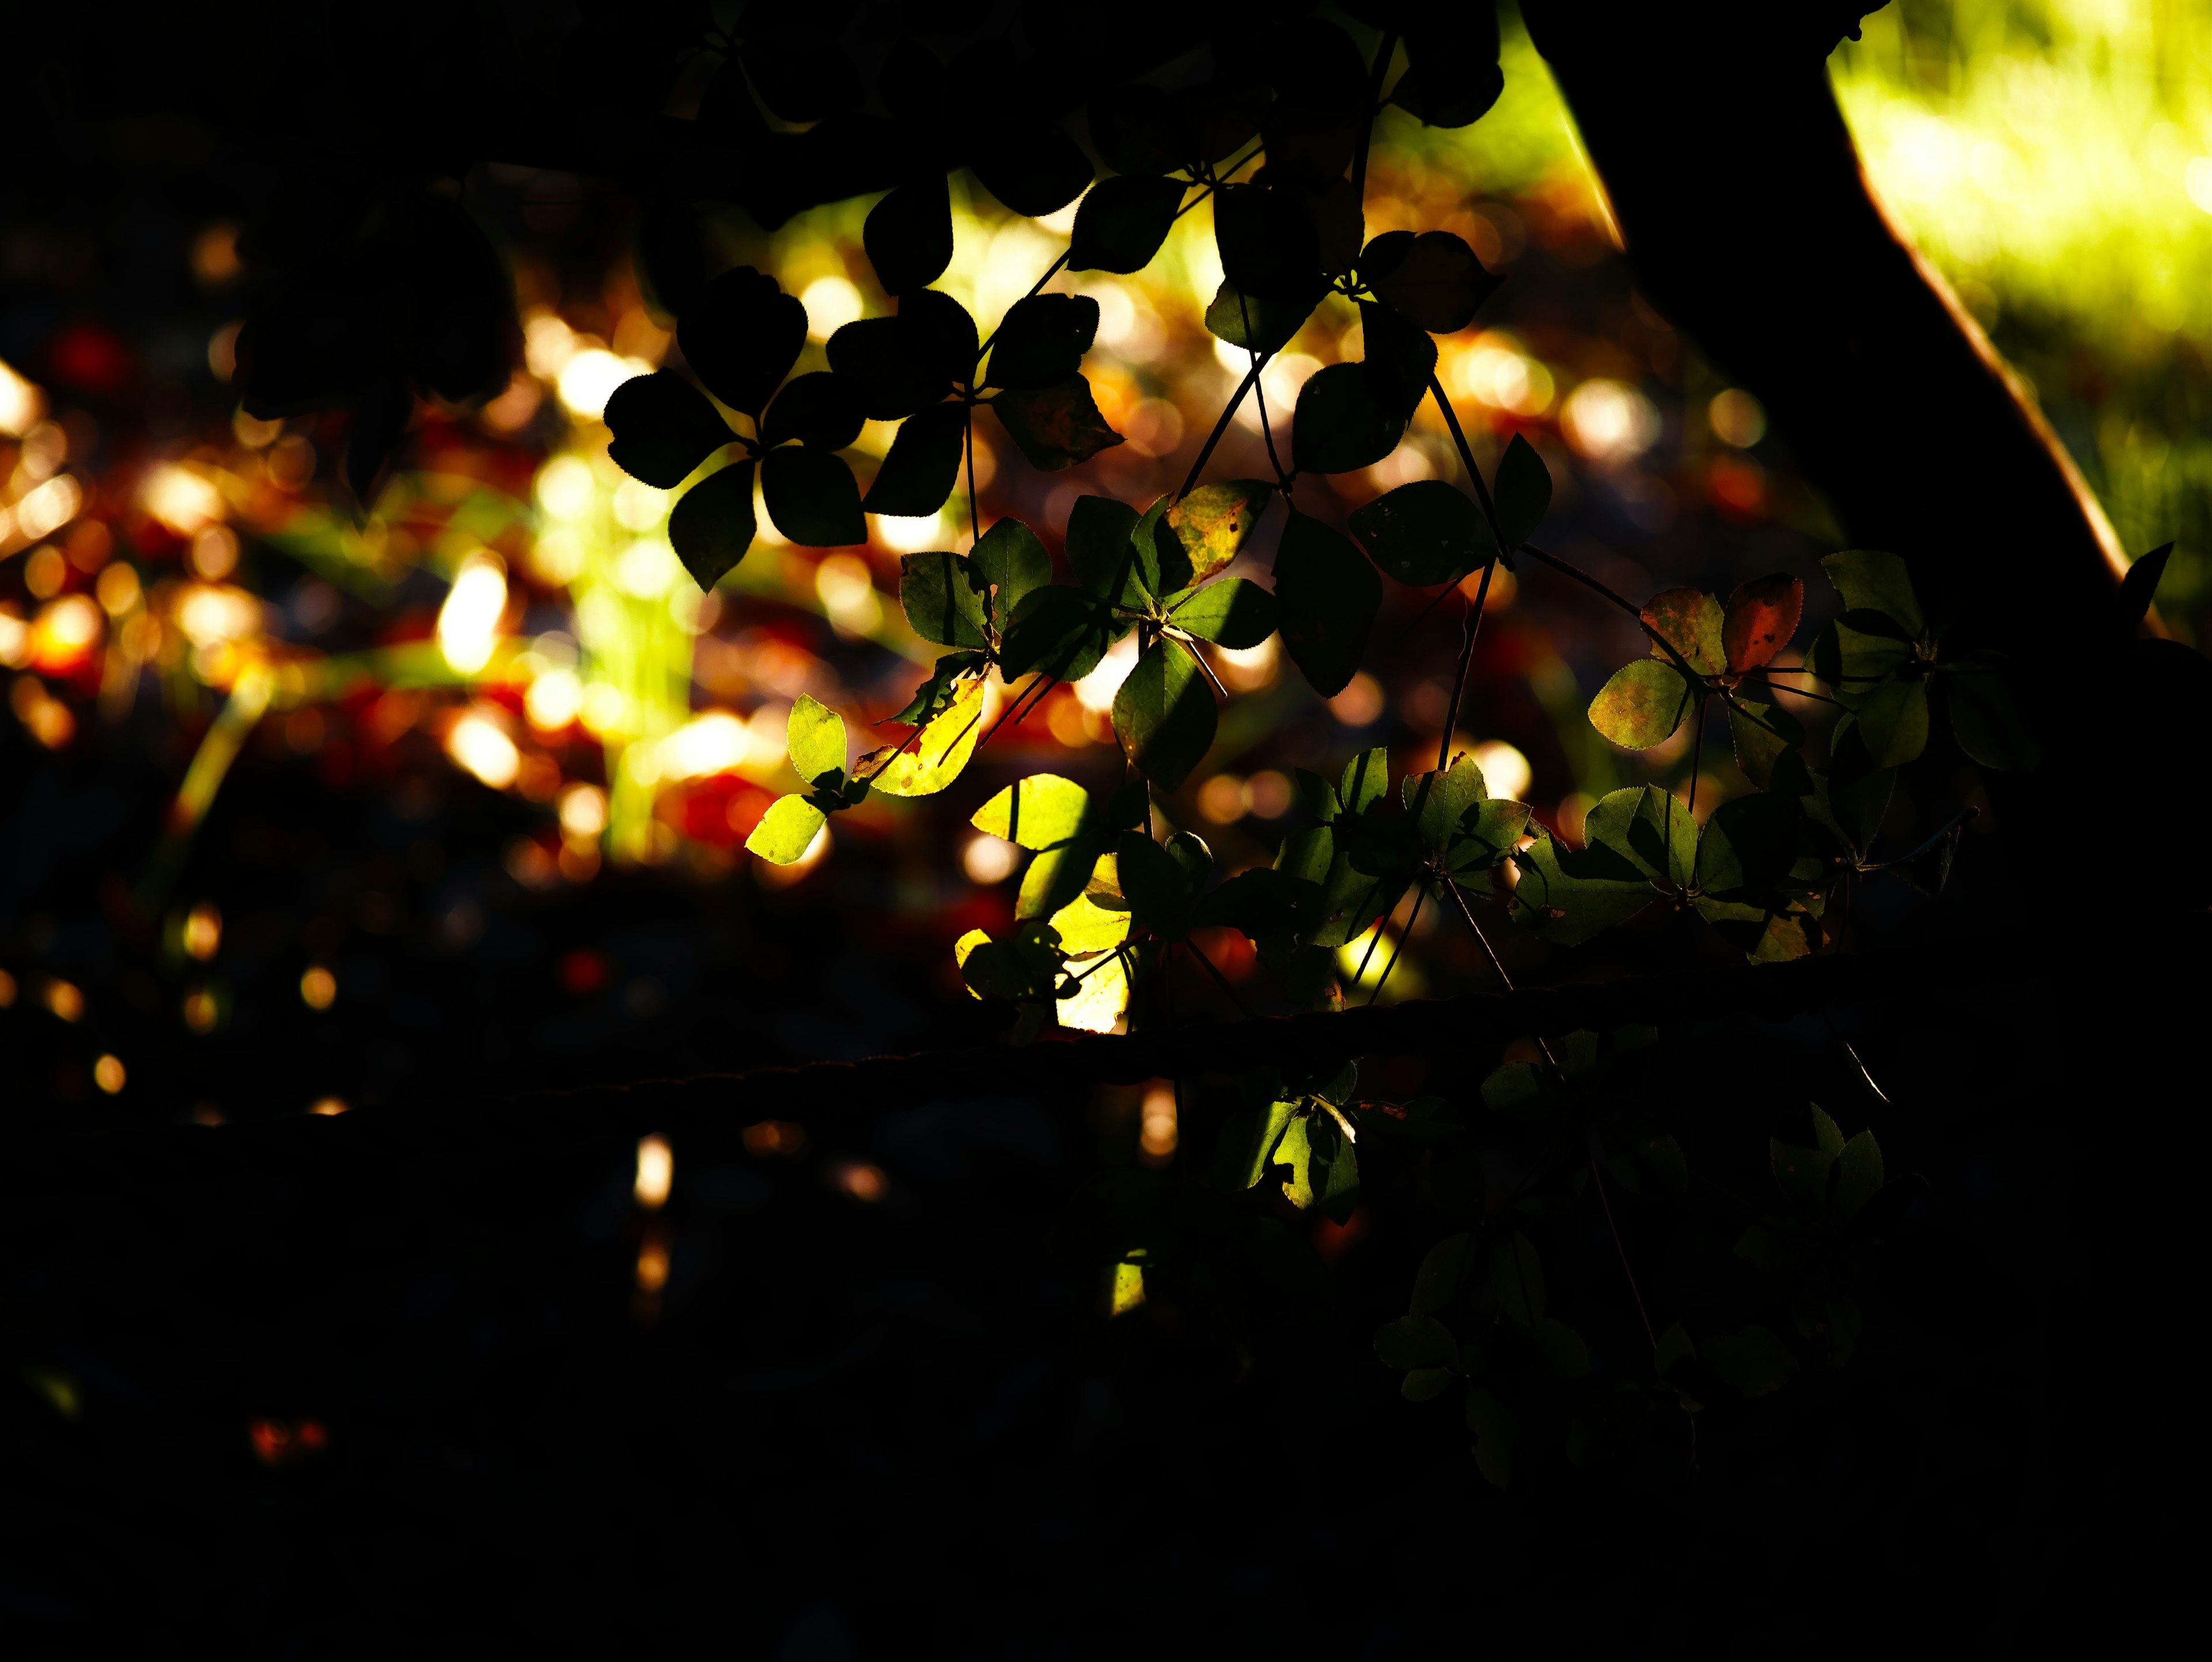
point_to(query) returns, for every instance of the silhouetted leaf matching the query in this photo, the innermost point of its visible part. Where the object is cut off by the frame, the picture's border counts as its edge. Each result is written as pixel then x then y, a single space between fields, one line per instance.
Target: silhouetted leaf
pixel 1099 549
pixel 1232 613
pixel 798 67
pixel 1256 901
pixel 1055 427
pixel 890 362
pixel 1157 885
pixel 1327 596
pixel 712 524
pixel 1892 721
pixel 1749 842
pixel 2138 587
pixel 1258 325
pixel 1760 733
pixel 663 429
pixel 944 598
pixel 912 82
pixel 813 497
pixel 1163 714
pixel 1762 616
pixel 1341 426
pixel 922 469
pixel 1642 704
pixel 1400 355
pixel 1425 532
pixel 742 336
pixel 1060 630
pixel 1268 243
pixel 1122 222
pixel 1213 523
pixel 908 235
pixel 821 410
pixel 1437 1283
pixel 1522 493
pixel 1138 129
pixel 1495 1432
pixel 1434 279
pixel 786 831
pixel 1033 169
pixel 1452 77
pixel 1041 341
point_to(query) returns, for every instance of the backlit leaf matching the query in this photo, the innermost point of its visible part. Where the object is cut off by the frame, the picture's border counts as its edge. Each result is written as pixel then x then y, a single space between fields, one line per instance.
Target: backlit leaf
pixel 1099 549
pixel 1258 325
pixel 786 831
pixel 1040 812
pixel 934 758
pixel 1858 1175
pixel 815 738
pixel 1760 733
pixel 1986 721
pixel 943 598
pixel 1013 562
pixel 1892 722
pixel 1056 426
pixel 1101 997
pixel 1060 630
pixel 1642 704
pixel 1163 714
pixel 1214 523
pixel 1690 621
pixel 1232 613
pixel 1762 616
pixel 1870 580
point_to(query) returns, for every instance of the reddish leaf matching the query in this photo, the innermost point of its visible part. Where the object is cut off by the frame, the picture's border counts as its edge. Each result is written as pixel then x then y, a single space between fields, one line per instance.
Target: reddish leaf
pixel 1762 616
pixel 1689 621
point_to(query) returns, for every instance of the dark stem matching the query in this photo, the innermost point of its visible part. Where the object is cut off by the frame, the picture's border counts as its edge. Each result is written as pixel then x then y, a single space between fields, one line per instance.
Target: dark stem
pixel 1491 952
pixel 1219 979
pixel 1375 76
pixel 1465 660
pixel 1220 426
pixel 1467 460
pixel 974 518
pixel 1267 432
pixel 1398 945
pixel 1637 612
pixel 1634 1291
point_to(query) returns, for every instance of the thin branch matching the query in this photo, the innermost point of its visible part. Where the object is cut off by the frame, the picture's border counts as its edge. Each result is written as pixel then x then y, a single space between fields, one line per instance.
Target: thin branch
pixel 1221 427
pixel 1466 660
pixel 1398 945
pixel 1219 979
pixel 1375 79
pixel 1467 460
pixel 1635 1292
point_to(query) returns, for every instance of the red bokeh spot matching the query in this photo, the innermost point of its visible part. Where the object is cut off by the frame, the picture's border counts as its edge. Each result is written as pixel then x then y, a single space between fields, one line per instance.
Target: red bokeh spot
pixel 280 1442
pixel 1738 489
pixel 87 355
pixel 583 971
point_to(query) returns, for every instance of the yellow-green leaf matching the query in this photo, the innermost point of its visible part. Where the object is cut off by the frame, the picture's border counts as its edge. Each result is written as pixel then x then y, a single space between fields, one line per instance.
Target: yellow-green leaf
pixel 1691 622
pixel 1642 704
pixel 1102 996
pixel 1041 812
pixel 1215 521
pixel 786 831
pixel 934 758
pixel 817 741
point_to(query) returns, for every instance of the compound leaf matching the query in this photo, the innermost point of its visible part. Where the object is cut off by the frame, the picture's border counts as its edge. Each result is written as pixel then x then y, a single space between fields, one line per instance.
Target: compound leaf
pixel 663 429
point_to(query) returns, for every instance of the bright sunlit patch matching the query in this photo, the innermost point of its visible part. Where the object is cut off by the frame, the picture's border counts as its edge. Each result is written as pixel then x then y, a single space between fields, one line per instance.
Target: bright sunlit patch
pixel 639 506
pixel 1249 669
pixel 2197 180
pixel 1608 422
pixel 62 998
pixel 117 589
pixel 583 811
pixel 832 302
pixel 554 699
pixel 1157 1130
pixel 648 570
pixel 1505 771
pixel 848 591
pixel 1270 794
pixel 479 745
pixel 318 988
pixel 1360 702
pixel 21 404
pixel 107 1072
pixel 914 535
pixel 656 1171
pixel 468 622
pixel 212 613
pixel 186 502
pixel 327 1107
pixel 714 741
pixel 1224 799
pixel 588 380
pixel 70 626
pixel 1097 689
pixel 987 859
pixel 202 932
pixel 214 554
pixel 565 487
pixel 51 505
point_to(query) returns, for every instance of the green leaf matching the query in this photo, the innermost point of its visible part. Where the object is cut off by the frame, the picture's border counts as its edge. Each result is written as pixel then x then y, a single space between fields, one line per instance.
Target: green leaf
pixel 1433 278
pixel 815 738
pixel 1256 902
pixel 712 524
pixel 1519 1090
pixel 1673 1346
pixel 1122 222
pixel 1761 734
pixel 1754 1361
pixel 1257 325
pixel 1163 714
pixel 811 496
pixel 821 410
pixel 1102 552
pixel 1488 833
pixel 1416 1341
pixel 943 598
pixel 1568 895
pixel 1340 425
pixel 1859 1175
pixel 1425 1384
pixel 1646 827
pixel 786 831
pixel 1873 581
pixel 1262 1127
pixel 1436 1284
pixel 1056 887
pixel 1232 613
pixel 1157 885
pixel 1365 781
pixel 1495 1431
pixel 1803 1173
pixel 1762 616
pixel 1892 722
pixel 1425 532
pixel 1327 597
pixel 663 429
pixel 1041 812
pixel 742 337
pixel 1439 801
pixel 1324 1168
pixel 1013 562
pixel 1516 1279
pixel 1522 493
pixel 1056 426
pixel 922 469
pixel 1215 521
pixel 2138 587
pixel 1984 719
pixel 1642 704
pixel 1749 842
pixel 1059 630
pixel 1690 621
pixel 934 758
pixel 908 235
pixel 1041 340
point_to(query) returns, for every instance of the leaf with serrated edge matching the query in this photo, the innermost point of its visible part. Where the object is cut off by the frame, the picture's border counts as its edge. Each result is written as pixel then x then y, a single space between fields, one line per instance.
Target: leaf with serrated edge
pixel 1216 521
pixel 1761 617
pixel 1642 704
pixel 1691 621
pixel 935 756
